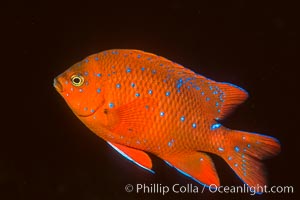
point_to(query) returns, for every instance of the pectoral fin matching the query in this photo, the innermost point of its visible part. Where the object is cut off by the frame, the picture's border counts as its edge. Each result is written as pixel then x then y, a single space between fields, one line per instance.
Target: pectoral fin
pixel 134 117
pixel 138 157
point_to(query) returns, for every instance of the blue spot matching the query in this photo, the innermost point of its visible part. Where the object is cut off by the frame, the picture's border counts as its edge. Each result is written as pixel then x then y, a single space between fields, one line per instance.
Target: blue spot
pixel 98 74
pixel 217 104
pixel 153 71
pixel 170 143
pixel 207 98
pixel 229 158
pixel 86 73
pixel 182 118
pixel 210 87
pixel 215 126
pixel 161 64
pixel 98 90
pixel 92 110
pixel 143 68
pixel 236 165
pixel 236 148
pixel 138 56
pixel 215 92
pixel 80 90
pixel 147 107
pixel 162 114
pixel 243 155
pixel 197 88
pixel 118 85
pixel 221 149
pixel 114 52
pixel 150 92
pixel 86 60
pixel 179 83
pixel 248 145
pixel 168 93
pixel 219 111
pixel 108 74
pixel 194 125
pixel 113 67
pixel 96 58
pixel 111 105
pixel 128 70
pixel 202 93
pixel 132 85
pixel 85 108
pixel 189 79
pixel 137 94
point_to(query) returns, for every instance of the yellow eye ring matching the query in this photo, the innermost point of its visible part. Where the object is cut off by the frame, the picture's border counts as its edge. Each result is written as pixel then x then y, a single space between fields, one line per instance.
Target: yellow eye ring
pixel 77 80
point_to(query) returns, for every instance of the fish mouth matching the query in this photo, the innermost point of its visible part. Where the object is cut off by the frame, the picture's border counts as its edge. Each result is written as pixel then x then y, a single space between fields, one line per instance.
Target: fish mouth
pixel 57 85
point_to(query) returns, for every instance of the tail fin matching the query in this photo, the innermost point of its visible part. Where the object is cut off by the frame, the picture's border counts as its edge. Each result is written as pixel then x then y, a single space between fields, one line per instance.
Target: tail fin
pixel 244 152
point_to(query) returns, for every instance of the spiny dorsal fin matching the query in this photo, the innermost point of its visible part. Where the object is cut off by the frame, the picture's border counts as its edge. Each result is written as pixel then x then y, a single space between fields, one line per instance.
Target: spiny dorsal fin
pixel 217 99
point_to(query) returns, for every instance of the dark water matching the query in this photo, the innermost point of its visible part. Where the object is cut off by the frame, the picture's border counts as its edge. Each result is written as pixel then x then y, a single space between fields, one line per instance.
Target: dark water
pixel 46 153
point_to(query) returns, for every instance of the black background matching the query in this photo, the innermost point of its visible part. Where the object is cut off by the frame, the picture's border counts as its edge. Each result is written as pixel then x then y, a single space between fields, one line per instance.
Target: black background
pixel 46 153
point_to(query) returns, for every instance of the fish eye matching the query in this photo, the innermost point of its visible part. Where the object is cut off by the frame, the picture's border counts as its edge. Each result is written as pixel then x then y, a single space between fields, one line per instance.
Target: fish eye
pixel 77 80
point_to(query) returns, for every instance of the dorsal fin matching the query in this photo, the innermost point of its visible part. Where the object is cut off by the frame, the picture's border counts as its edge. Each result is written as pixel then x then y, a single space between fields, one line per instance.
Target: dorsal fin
pixel 232 96
pixel 218 99
pixel 215 98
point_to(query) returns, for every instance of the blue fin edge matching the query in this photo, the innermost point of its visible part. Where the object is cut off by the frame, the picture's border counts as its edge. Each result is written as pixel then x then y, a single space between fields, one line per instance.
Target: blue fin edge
pixel 129 158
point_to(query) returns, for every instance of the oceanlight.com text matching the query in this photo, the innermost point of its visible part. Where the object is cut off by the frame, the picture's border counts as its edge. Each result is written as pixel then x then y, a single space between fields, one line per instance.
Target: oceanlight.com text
pixel 157 188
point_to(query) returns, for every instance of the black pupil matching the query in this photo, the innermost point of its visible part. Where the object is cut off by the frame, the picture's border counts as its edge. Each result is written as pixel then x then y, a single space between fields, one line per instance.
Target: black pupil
pixel 76 80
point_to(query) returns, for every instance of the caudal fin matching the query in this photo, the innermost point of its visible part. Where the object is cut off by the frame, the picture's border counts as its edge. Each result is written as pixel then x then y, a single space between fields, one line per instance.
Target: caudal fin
pixel 244 152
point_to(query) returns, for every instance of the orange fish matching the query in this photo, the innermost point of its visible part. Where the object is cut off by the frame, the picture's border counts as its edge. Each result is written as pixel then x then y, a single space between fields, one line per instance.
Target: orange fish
pixel 139 102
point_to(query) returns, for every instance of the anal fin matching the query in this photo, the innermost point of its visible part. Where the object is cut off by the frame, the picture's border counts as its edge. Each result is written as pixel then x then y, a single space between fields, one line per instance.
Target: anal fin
pixel 138 157
pixel 196 165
